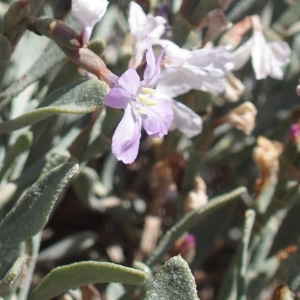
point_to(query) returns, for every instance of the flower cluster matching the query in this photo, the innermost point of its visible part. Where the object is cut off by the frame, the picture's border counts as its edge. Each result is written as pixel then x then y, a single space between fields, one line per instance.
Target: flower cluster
pixel 148 101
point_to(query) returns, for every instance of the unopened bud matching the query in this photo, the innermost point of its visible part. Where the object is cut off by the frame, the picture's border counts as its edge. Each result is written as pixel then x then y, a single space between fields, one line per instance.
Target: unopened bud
pixel 185 246
pixel 88 12
pixel 13 21
pixel 16 14
pixel 295 133
pixel 63 35
pixel 69 42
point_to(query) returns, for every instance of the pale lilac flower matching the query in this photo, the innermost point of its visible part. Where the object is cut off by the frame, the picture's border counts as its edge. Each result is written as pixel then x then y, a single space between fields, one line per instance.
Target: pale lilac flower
pixel 142 108
pixel 142 25
pixel 201 69
pixel 267 58
pixel 88 12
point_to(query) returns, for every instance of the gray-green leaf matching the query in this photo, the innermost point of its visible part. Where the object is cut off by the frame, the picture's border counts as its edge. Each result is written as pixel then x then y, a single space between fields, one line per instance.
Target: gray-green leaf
pixel 78 274
pixel 174 282
pixel 79 98
pixel 31 213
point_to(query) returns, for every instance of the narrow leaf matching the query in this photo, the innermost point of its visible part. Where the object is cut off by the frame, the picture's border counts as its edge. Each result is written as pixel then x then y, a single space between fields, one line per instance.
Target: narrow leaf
pixel 31 213
pixel 22 144
pixel 74 275
pixel 51 57
pixel 175 281
pixel 243 255
pixel 79 98
pixel 13 275
pixel 190 220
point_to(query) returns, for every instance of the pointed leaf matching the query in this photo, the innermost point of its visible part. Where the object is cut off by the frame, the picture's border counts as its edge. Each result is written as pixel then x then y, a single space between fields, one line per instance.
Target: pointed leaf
pixel 7 283
pixel 74 275
pixel 79 98
pixel 22 144
pixel 31 213
pixel 190 220
pixel 175 281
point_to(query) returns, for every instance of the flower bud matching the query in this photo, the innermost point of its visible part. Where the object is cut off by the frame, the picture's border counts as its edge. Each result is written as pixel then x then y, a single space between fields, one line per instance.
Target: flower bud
pixel 185 246
pixel 295 133
pixel 69 41
pixel 17 13
pixel 88 12
pixel 13 21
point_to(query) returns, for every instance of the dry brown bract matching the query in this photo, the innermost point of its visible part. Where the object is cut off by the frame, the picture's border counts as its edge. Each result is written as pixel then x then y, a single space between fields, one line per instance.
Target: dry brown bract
pixel 266 157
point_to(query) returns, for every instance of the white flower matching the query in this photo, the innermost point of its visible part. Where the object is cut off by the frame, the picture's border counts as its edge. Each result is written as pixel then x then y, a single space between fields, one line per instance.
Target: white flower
pixel 88 12
pixel 142 25
pixel 201 69
pixel 267 58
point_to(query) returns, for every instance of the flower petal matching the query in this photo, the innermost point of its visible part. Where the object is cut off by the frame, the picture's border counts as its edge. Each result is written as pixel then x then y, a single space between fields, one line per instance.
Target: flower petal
pixel 173 82
pixel 126 139
pixel 242 54
pixel 152 71
pixel 260 56
pixel 137 18
pixel 142 25
pixel 177 81
pixel 212 59
pixel 124 90
pixel 280 56
pixel 185 120
pixel 202 69
pixel 157 119
pixel 173 53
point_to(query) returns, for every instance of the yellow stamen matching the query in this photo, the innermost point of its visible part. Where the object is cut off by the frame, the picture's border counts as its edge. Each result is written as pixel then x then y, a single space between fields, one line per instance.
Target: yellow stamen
pixel 141 110
pixel 148 101
pixel 148 91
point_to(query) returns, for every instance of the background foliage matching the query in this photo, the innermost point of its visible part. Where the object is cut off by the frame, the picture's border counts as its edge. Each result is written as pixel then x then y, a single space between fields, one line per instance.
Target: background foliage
pixel 71 215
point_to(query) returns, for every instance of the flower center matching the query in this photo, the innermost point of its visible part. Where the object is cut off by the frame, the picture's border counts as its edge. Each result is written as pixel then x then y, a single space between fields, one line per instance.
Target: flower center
pixel 146 96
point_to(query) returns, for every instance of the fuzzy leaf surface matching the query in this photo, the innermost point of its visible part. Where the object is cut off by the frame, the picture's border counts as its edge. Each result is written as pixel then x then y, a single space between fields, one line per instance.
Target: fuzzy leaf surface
pixel 80 98
pixel 31 213
pixel 78 274
pixel 174 282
